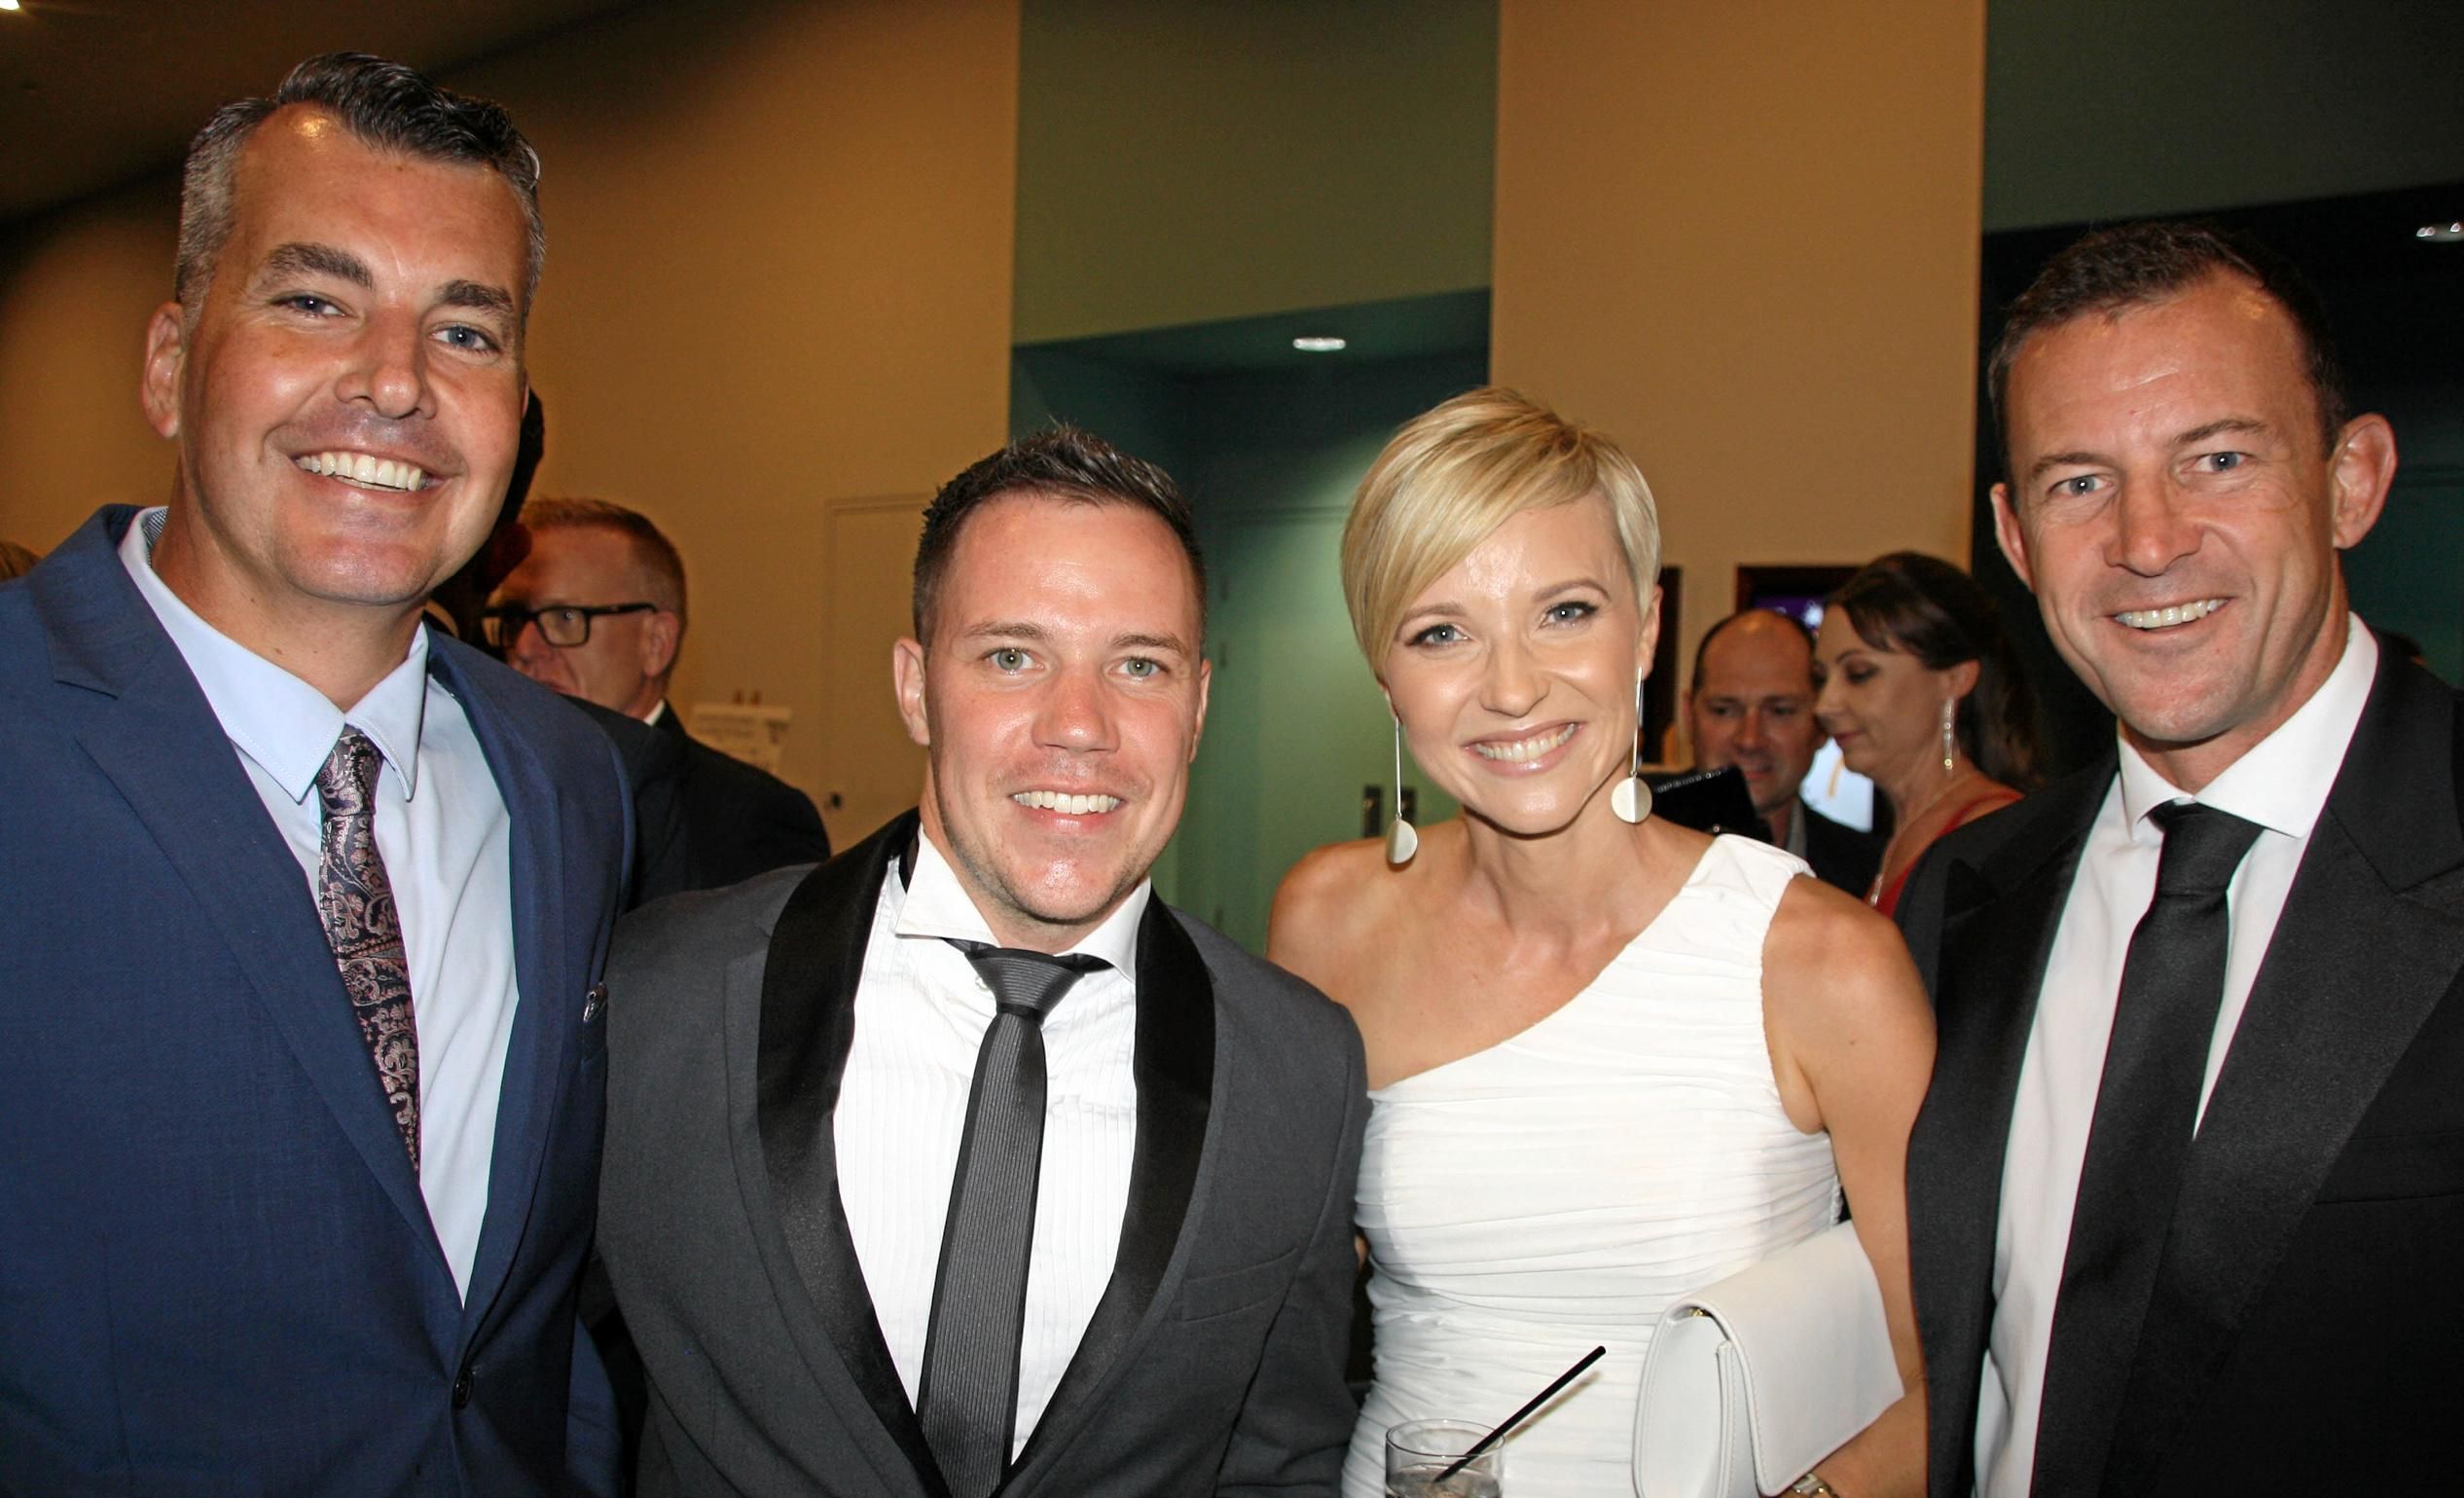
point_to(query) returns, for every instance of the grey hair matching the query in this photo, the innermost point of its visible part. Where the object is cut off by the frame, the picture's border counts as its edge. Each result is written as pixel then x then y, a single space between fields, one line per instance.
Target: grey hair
pixel 382 104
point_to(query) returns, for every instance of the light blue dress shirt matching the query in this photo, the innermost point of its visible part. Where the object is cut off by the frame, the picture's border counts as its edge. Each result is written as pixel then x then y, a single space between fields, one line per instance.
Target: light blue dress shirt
pixel 445 838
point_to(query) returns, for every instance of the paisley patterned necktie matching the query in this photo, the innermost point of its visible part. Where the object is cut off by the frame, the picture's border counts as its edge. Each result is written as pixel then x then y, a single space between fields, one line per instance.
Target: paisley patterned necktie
pixel 355 902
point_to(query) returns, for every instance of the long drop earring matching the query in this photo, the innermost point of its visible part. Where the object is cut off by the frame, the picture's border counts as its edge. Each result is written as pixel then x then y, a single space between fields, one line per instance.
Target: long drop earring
pixel 1951 740
pixel 1401 842
pixel 1632 799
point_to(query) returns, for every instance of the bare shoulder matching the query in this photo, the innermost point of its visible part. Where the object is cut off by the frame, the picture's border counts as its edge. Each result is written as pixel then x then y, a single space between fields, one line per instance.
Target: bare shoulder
pixel 1322 905
pixel 1829 958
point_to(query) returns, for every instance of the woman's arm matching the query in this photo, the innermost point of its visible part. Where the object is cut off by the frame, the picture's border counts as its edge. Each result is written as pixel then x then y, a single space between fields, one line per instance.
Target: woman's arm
pixel 1852 1047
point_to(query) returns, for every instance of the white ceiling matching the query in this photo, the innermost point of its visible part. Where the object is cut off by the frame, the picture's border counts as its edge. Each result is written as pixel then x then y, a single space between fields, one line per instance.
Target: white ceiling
pixel 97 92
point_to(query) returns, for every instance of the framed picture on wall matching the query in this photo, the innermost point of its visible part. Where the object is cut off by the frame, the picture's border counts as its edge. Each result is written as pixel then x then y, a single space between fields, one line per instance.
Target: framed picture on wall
pixel 1794 590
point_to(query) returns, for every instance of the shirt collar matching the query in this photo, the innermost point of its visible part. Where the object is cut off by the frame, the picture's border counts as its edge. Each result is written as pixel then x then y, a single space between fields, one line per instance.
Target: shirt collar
pixel 2280 782
pixel 937 906
pixel 285 726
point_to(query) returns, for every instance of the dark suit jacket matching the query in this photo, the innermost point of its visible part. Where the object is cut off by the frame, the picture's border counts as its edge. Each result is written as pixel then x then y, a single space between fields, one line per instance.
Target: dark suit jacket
pixel 739 820
pixel 217 1274
pixel 1214 1361
pixel 1842 856
pixel 2309 1303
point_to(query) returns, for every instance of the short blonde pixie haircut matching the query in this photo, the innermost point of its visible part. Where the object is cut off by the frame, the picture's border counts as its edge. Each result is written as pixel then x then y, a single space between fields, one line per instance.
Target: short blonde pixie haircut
pixel 1456 473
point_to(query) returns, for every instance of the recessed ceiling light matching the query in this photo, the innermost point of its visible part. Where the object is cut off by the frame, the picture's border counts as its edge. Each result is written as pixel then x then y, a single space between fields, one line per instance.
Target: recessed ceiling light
pixel 8 5
pixel 2444 234
pixel 1319 343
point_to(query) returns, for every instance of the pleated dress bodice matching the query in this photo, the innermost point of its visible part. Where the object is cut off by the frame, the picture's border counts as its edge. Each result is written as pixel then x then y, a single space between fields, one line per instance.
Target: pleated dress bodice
pixel 1558 1189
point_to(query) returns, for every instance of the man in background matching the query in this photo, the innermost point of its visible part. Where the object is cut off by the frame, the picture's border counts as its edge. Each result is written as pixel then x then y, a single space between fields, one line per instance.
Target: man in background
pixel 596 609
pixel 304 904
pixel 1752 706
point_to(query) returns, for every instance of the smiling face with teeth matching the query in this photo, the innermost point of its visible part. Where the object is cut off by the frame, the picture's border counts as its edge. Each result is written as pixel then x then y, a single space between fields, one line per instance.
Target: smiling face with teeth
pixel 1060 699
pixel 1514 673
pixel 2178 520
pixel 347 394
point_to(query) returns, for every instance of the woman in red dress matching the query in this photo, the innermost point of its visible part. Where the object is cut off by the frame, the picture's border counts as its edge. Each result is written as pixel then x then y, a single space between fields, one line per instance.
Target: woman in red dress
pixel 1918 685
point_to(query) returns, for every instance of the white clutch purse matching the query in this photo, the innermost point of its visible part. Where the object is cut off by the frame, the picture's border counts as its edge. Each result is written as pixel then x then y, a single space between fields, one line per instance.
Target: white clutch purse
pixel 1752 1381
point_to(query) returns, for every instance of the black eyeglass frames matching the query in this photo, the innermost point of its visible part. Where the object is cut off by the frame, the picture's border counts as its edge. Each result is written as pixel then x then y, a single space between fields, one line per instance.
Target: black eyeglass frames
pixel 563 624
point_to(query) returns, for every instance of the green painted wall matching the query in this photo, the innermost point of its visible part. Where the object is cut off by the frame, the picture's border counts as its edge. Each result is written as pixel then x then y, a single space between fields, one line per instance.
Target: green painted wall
pixel 2407 573
pixel 2104 109
pixel 1296 728
pixel 1211 159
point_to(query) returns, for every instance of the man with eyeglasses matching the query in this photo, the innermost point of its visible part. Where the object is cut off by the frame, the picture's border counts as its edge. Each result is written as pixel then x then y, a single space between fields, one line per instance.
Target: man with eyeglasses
pixel 596 609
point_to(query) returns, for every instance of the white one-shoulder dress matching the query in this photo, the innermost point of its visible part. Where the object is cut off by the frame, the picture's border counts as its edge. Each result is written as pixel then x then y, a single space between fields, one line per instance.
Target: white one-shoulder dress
pixel 1558 1189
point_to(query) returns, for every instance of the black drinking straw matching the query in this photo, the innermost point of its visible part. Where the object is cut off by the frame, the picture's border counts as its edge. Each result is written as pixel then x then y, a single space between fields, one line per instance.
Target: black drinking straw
pixel 1516 1419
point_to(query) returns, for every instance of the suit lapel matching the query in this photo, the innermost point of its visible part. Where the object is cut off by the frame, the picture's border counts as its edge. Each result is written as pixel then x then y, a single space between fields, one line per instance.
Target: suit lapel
pixel 548 896
pixel 163 748
pixel 1999 915
pixel 2355 969
pixel 807 999
pixel 1174 1068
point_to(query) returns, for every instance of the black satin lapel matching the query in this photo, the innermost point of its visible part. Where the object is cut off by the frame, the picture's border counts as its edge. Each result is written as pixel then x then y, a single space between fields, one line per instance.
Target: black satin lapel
pixel 1174 1068
pixel 2355 969
pixel 2000 915
pixel 808 1021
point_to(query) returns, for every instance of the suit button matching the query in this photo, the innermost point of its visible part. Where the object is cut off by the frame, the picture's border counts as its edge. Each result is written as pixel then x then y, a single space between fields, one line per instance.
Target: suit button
pixel 463 1389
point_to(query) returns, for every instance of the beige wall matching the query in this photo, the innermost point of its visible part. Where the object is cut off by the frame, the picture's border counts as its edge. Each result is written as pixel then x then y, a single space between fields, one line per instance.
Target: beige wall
pixel 76 287
pixel 1742 238
pixel 779 272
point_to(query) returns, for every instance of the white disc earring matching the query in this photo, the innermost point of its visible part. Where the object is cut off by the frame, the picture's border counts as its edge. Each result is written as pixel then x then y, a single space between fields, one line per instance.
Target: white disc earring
pixel 1631 800
pixel 1401 842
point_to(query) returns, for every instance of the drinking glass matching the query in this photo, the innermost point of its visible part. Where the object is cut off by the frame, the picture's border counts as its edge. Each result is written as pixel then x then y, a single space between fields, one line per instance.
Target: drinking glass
pixel 1417 1451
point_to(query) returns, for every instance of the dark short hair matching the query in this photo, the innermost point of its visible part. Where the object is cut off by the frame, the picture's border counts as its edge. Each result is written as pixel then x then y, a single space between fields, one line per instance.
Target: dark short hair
pixel 382 104
pixel 657 553
pixel 1060 463
pixel 1930 609
pixel 1702 647
pixel 2133 264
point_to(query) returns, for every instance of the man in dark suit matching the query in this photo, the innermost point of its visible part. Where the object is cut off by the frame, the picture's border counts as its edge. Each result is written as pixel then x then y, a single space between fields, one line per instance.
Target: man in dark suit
pixel 597 610
pixel 1752 706
pixel 2186 1192
pixel 302 907
pixel 854 1270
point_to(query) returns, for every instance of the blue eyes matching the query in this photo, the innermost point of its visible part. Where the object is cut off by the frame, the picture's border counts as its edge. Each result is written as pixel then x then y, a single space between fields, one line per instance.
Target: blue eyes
pixel 460 335
pixel 1010 660
pixel 1572 611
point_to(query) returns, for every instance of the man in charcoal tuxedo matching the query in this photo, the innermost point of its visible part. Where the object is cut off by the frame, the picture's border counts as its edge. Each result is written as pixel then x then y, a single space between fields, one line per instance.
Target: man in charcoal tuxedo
pixel 2185 1194
pixel 303 904
pixel 597 610
pixel 963 1162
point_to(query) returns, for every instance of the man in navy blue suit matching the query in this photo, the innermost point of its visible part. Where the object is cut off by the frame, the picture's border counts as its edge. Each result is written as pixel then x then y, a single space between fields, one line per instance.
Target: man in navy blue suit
pixel 302 906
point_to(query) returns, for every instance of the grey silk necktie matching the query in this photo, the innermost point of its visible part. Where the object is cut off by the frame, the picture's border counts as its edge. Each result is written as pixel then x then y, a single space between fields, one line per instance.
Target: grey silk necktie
pixel 2139 1142
pixel 355 902
pixel 967 1400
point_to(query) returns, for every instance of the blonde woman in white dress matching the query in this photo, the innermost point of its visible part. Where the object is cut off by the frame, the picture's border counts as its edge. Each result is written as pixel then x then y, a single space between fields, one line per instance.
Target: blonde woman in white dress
pixel 1610 1063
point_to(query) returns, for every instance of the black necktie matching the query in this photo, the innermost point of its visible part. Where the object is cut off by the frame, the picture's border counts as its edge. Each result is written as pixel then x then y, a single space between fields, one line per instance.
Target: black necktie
pixel 967 1401
pixel 2146 1109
